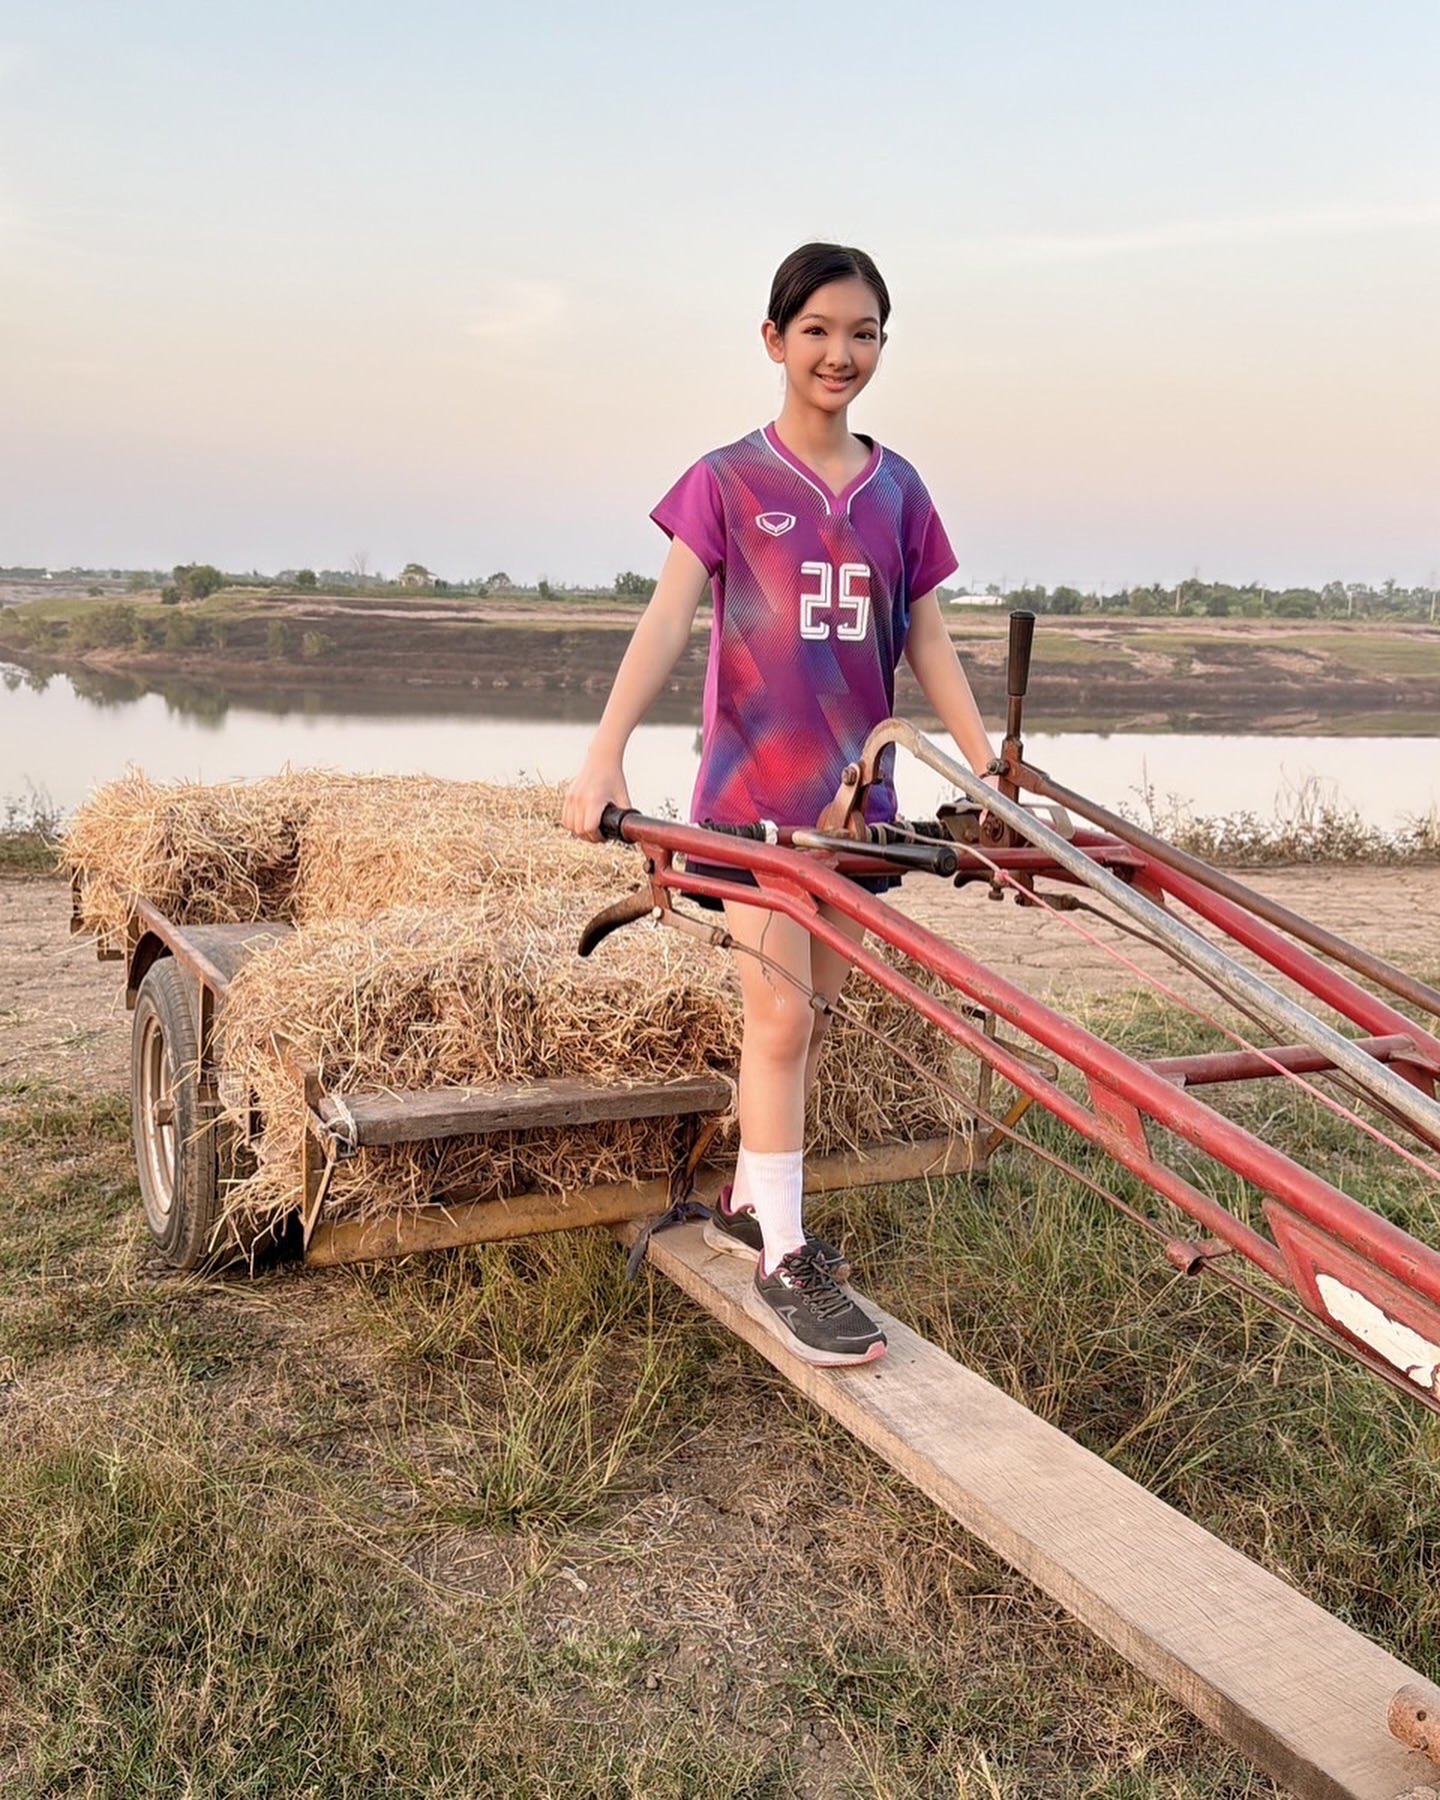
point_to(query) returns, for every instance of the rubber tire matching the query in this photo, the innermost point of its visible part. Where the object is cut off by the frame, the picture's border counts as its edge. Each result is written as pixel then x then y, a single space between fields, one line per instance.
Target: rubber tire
pixel 178 1157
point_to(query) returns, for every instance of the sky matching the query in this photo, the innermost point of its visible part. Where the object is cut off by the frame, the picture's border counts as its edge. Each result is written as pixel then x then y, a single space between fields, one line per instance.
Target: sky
pixel 307 282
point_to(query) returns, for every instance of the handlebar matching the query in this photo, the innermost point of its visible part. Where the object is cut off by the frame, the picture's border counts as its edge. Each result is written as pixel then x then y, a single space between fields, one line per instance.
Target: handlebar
pixel 882 845
pixel 612 822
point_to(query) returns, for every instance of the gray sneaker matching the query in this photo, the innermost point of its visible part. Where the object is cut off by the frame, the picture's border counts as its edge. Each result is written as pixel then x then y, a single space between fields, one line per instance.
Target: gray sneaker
pixel 802 1303
pixel 738 1234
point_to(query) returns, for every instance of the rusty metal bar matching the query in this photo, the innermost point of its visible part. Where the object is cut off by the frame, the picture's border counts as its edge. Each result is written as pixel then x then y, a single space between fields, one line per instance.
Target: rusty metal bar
pixel 1288 1019
pixel 1374 968
pixel 1294 1059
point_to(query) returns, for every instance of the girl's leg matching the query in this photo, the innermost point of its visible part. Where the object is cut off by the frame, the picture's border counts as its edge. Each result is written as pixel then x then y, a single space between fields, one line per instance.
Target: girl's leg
pixel 794 1294
pixel 780 1049
pixel 828 972
pixel 774 1053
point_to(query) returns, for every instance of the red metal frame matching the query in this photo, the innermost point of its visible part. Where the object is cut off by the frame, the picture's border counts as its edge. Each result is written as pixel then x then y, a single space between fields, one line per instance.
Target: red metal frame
pixel 1313 1220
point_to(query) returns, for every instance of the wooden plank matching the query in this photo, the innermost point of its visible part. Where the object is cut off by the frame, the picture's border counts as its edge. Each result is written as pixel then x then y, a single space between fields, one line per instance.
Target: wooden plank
pixel 484 1221
pixel 1293 1688
pixel 408 1118
pixel 441 1226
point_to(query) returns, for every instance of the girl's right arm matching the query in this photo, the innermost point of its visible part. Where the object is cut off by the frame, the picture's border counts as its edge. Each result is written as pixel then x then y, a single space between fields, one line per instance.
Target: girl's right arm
pixel 652 653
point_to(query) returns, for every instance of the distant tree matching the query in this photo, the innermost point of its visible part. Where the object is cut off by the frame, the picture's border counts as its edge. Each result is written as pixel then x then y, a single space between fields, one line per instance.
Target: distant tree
pixel 498 580
pixel 631 586
pixel 1296 603
pixel 197 580
pixel 170 595
pixel 544 589
pixel 359 565
pixel 1066 600
pixel 305 578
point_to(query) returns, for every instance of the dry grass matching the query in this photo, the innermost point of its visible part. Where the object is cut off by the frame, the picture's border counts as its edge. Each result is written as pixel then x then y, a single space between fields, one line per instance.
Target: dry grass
pixel 437 924
pixel 493 994
pixel 299 847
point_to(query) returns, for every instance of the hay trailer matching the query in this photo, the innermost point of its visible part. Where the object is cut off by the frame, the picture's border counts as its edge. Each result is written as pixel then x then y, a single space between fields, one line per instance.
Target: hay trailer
pixel 1322 1709
pixel 188 1145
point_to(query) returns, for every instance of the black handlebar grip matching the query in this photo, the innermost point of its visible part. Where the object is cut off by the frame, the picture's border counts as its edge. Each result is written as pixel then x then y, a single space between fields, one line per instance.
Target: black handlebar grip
pixel 1022 637
pixel 612 822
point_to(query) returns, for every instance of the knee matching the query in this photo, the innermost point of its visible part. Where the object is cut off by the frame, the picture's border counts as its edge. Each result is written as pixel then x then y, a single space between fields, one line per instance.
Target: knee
pixel 782 1031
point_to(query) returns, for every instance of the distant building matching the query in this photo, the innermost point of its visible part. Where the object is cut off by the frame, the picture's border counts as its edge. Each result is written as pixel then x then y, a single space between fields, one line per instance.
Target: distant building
pixel 416 575
pixel 977 600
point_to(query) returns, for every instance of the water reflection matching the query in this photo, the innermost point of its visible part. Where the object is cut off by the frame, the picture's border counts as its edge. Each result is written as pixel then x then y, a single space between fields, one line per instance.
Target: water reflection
pixel 63 736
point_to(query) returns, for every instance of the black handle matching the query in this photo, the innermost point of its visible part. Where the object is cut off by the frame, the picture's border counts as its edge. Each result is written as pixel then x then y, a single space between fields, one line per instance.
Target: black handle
pixel 612 822
pixel 757 831
pixel 1022 638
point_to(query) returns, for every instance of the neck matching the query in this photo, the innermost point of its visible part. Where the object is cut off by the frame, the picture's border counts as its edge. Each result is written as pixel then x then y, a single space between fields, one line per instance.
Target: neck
pixel 812 435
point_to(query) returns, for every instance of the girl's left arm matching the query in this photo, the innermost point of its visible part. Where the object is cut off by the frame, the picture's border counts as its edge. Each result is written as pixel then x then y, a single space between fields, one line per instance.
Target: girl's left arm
pixel 931 654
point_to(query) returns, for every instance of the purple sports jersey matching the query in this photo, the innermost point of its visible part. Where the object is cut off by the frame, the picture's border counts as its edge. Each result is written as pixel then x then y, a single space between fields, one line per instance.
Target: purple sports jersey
pixel 812 606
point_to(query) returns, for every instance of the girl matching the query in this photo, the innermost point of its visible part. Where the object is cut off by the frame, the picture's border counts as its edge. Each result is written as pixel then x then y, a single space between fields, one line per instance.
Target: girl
pixel 823 554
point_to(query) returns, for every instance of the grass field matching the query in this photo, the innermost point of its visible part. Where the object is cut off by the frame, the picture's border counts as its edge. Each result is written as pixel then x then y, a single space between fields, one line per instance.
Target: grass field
pixel 496 1522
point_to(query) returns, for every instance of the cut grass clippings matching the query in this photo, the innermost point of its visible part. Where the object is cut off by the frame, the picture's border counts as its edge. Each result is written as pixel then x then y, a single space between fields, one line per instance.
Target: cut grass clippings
pixel 495 1522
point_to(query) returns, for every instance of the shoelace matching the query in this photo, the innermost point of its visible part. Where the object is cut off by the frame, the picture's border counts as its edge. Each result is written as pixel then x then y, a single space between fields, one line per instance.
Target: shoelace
pixel 814 1283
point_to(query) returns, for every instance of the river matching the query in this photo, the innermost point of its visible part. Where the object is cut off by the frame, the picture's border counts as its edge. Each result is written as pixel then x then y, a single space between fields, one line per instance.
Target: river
pixel 58 744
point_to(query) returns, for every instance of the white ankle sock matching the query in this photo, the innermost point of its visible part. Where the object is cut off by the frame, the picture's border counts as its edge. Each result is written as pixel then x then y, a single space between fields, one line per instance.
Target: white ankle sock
pixel 740 1200
pixel 774 1188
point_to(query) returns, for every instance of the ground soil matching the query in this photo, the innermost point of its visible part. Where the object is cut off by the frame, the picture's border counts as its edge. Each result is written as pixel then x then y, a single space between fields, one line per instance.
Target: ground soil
pixel 63 1017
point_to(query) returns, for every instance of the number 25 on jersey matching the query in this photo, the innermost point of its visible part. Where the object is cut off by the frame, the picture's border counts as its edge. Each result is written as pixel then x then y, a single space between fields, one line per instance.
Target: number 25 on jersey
pixel 839 600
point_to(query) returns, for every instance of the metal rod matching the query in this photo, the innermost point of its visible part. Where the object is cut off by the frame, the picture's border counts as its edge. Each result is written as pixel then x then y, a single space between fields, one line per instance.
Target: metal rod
pixel 1289 1020
pixel 1363 962
pixel 795 885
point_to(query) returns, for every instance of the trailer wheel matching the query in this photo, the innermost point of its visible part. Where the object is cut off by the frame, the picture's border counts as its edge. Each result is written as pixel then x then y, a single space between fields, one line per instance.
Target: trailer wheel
pixel 176 1145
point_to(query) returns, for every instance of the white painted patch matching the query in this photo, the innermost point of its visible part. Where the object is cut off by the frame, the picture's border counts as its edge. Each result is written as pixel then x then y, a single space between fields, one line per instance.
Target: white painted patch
pixel 1416 1357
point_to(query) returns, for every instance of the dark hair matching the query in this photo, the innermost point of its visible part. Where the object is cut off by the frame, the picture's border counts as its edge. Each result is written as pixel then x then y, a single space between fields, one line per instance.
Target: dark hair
pixel 812 266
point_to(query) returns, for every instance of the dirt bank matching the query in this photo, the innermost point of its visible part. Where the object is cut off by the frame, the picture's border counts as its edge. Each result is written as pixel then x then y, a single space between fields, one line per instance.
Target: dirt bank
pixel 1092 674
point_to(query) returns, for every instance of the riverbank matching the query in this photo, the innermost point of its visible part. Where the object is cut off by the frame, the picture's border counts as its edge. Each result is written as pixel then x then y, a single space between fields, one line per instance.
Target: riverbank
pixel 1128 674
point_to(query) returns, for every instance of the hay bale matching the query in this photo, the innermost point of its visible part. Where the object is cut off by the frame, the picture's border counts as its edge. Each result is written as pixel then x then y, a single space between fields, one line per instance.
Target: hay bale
pixel 435 945
pixel 484 995
pixel 205 854
pixel 371 844
pixel 493 994
pixel 310 845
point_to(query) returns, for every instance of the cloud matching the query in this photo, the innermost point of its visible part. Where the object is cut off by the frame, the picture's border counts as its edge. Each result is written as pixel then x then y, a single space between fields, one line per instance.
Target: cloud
pixel 516 310
pixel 1193 234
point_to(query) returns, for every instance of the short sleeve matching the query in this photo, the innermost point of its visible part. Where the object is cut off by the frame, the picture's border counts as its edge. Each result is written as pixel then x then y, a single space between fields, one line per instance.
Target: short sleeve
pixel 692 511
pixel 928 556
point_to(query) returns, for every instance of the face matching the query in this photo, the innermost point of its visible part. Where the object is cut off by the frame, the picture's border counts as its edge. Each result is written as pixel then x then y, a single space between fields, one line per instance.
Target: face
pixel 830 348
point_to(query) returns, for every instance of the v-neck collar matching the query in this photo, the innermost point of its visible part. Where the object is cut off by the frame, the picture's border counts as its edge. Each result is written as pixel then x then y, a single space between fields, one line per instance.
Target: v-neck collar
pixel 833 502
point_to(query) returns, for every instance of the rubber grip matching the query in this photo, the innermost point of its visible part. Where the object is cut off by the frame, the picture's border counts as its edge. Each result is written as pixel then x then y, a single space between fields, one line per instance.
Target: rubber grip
pixel 1022 638
pixel 612 821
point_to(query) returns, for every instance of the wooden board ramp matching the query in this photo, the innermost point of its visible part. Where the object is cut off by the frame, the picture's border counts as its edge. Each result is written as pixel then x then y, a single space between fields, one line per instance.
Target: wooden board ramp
pixel 1300 1693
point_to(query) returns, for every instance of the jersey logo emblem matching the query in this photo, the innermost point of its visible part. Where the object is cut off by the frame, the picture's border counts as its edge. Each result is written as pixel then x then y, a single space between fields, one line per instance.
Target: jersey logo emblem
pixel 776 523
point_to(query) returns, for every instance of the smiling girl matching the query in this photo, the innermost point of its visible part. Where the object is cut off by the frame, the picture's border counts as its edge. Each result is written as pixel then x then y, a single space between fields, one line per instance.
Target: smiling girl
pixel 823 553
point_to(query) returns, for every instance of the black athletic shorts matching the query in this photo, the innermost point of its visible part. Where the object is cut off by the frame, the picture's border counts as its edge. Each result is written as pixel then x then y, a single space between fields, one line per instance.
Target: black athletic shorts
pixel 872 884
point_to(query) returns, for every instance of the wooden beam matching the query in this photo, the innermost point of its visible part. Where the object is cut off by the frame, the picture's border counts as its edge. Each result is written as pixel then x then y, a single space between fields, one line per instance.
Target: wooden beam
pixel 1290 1686
pixel 408 1118
pixel 439 1226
